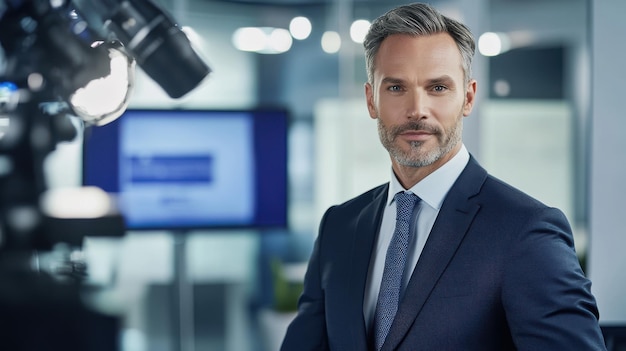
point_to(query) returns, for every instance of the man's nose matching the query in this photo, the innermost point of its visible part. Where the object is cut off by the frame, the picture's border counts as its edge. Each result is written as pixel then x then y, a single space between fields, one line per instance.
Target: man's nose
pixel 417 104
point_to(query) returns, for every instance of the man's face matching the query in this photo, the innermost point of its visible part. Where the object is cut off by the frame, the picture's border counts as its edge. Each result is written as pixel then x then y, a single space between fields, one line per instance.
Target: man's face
pixel 419 98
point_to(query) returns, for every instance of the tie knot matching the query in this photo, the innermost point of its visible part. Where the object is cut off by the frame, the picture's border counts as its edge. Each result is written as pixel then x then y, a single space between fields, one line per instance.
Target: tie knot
pixel 405 202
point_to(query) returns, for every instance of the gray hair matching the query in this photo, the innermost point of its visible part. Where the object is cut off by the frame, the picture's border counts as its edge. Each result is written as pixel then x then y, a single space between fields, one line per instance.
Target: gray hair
pixel 417 19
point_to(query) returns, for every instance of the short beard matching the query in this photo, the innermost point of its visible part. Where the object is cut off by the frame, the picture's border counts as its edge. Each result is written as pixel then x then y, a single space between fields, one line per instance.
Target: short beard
pixel 417 156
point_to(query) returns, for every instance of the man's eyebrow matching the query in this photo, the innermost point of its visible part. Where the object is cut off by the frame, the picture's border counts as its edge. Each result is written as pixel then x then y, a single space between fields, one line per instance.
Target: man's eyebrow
pixel 445 79
pixel 392 80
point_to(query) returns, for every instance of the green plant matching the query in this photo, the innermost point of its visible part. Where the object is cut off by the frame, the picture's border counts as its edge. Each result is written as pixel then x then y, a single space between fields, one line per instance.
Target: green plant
pixel 286 292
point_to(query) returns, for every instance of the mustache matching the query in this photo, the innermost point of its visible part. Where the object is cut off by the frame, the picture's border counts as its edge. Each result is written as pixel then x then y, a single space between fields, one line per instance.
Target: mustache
pixel 415 125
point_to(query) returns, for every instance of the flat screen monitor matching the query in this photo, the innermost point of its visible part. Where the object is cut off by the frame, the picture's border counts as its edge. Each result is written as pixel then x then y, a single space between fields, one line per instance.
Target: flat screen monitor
pixel 192 169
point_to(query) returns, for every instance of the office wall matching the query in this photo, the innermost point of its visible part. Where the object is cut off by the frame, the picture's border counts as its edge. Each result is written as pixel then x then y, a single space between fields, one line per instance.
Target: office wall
pixel 527 143
pixel 607 258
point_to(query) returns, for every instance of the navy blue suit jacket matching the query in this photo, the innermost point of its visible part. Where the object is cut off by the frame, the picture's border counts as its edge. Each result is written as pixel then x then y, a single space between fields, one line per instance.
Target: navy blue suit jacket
pixel 498 272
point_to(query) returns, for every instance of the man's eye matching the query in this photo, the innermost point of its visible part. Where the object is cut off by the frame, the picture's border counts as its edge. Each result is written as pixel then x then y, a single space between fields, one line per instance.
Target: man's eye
pixel 439 88
pixel 394 88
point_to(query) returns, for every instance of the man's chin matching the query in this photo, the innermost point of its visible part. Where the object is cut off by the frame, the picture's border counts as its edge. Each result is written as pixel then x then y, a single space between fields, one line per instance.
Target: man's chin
pixel 415 160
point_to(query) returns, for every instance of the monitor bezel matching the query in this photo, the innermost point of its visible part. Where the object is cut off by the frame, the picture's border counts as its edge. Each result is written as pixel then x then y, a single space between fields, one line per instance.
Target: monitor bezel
pixel 282 113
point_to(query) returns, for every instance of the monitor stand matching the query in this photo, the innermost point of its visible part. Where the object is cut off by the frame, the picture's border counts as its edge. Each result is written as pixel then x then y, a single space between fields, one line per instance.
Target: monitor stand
pixel 183 298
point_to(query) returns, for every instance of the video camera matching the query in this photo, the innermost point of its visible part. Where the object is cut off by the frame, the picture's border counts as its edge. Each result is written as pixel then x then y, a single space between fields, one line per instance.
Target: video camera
pixel 62 59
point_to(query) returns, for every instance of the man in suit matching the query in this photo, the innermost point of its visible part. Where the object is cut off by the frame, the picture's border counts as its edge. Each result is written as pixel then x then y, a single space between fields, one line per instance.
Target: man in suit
pixel 486 267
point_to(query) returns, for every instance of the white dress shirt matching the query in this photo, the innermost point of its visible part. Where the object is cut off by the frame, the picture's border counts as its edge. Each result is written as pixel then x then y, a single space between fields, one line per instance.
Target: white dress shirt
pixel 432 191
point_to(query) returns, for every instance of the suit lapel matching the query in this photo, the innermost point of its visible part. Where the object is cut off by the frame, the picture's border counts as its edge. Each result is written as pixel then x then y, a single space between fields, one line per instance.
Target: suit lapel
pixel 450 227
pixel 364 238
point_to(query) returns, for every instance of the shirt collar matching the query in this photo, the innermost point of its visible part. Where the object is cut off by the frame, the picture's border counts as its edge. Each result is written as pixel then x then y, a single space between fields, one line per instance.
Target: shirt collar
pixel 433 189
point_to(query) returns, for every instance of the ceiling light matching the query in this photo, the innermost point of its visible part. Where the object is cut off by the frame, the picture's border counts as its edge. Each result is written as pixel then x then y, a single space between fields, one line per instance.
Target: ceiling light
pixel 331 42
pixel 358 30
pixel 300 28
pixel 249 39
pixel 279 41
pixel 262 40
pixel 493 44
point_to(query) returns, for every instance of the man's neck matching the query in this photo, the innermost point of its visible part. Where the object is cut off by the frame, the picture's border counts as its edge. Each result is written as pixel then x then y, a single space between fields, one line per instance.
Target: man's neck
pixel 409 176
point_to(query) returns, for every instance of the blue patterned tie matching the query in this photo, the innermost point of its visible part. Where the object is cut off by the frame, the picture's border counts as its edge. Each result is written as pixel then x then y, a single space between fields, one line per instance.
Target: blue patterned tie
pixel 391 283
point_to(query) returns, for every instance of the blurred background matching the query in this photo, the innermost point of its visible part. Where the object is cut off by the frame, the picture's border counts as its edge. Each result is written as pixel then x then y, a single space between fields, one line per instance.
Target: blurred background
pixel 548 120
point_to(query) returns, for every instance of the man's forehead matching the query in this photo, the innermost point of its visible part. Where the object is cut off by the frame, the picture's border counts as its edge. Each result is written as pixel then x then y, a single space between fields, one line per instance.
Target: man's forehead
pixel 436 53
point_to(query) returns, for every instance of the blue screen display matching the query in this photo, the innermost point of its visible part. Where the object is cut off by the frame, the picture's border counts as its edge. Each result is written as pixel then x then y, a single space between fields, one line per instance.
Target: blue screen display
pixel 192 169
pixel 163 169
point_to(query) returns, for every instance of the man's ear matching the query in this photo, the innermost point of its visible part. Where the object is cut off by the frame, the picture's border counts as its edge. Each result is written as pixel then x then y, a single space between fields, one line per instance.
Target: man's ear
pixel 369 96
pixel 470 97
